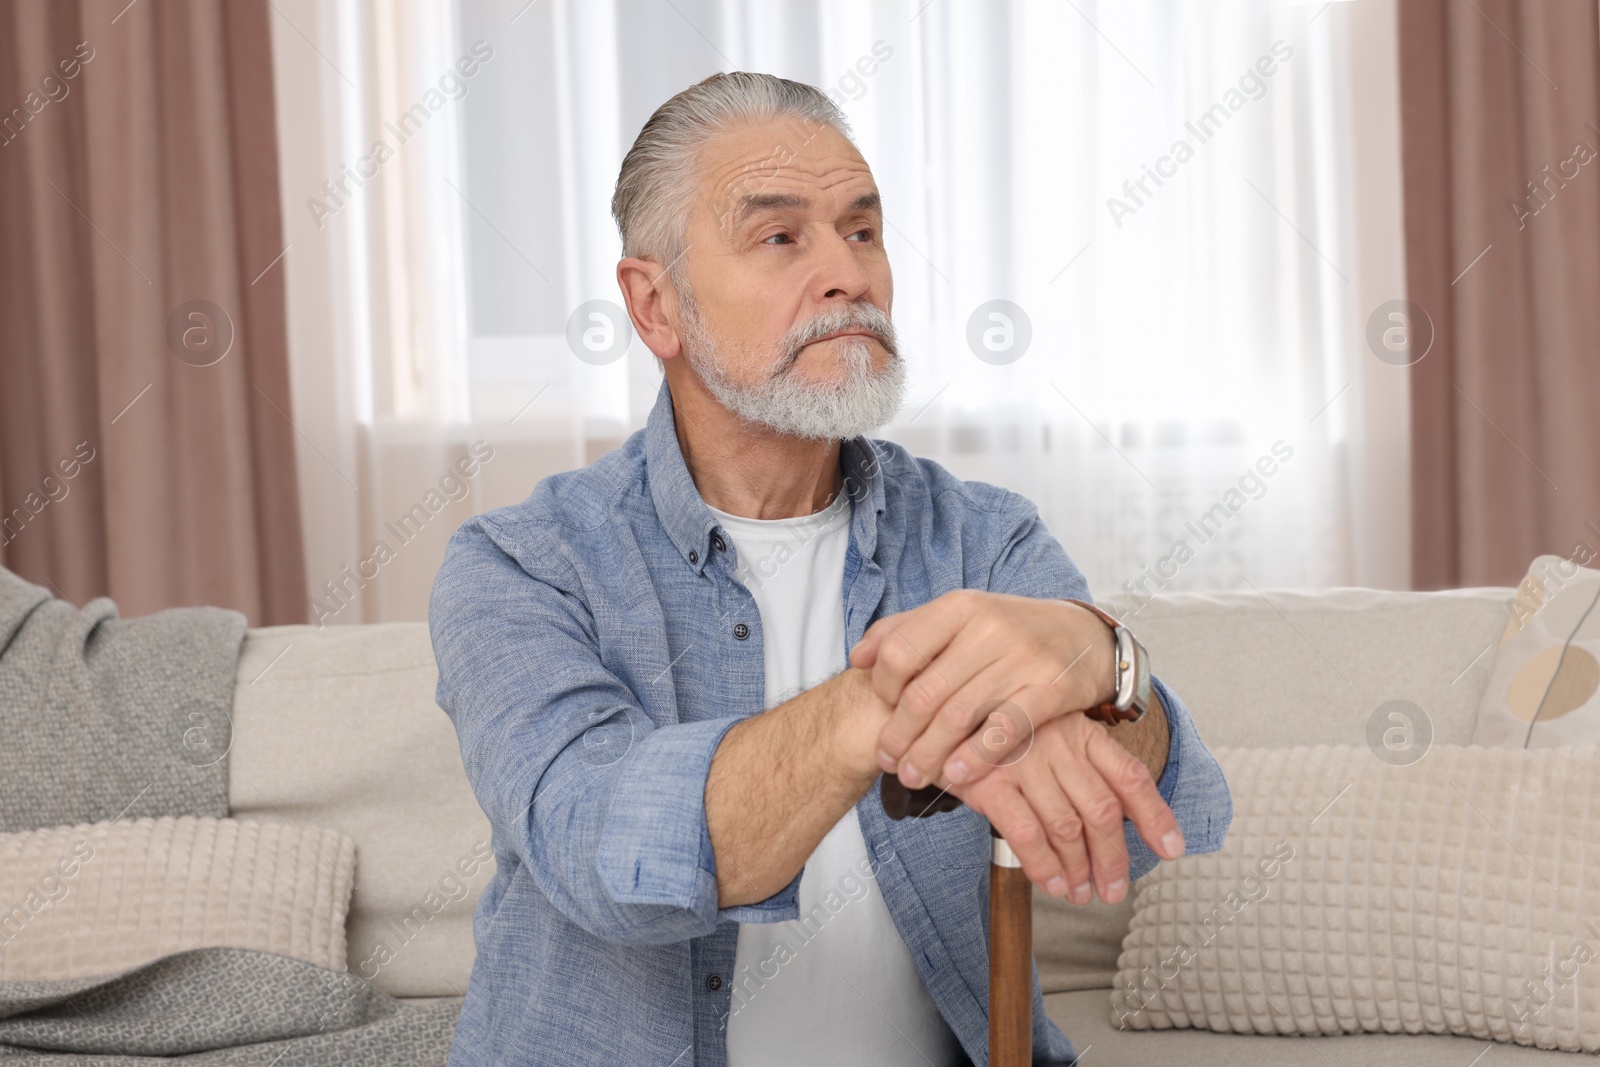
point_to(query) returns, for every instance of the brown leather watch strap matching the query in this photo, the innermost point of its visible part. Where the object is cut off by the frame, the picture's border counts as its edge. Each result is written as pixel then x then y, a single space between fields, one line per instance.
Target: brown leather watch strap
pixel 1110 714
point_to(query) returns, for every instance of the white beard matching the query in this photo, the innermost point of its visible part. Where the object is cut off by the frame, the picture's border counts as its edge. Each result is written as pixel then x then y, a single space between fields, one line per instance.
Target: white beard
pixel 860 402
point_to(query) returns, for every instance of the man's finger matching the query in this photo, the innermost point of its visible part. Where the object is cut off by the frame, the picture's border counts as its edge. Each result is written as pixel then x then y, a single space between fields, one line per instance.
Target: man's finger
pixel 1130 779
pixel 926 728
pixel 865 654
pixel 1014 817
pixel 909 642
pixel 1064 828
pixel 1096 803
pixel 1007 729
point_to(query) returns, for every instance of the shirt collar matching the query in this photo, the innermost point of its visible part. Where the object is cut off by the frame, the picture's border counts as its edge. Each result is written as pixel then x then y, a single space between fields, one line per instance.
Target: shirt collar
pixel 689 522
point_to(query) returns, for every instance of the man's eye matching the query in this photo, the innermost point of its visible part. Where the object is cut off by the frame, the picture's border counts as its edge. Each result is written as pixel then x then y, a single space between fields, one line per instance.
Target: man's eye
pixel 864 234
pixel 775 236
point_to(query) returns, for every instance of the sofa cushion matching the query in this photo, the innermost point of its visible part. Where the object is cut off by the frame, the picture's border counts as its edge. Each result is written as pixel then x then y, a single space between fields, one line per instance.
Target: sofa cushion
pixel 1082 1016
pixel 1076 946
pixel 100 898
pixel 1304 667
pixel 1457 894
pixel 337 727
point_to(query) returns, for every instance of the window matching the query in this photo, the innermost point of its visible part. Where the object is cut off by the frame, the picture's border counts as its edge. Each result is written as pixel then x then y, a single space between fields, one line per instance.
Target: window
pixel 1135 246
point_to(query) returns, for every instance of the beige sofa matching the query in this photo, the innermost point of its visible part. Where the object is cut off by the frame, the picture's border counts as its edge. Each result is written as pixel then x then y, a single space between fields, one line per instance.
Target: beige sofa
pixel 337 728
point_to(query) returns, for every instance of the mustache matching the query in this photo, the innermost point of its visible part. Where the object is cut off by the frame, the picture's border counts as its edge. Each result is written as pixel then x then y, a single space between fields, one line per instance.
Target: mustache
pixel 862 315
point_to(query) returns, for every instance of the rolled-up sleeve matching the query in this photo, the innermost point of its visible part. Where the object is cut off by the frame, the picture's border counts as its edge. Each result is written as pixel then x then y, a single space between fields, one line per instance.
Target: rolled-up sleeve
pixel 1031 562
pixel 604 805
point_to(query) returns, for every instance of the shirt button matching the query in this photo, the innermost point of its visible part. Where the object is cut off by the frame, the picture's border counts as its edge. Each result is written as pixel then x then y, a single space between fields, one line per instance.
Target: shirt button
pixel 740 631
pixel 714 983
pixel 694 557
pixel 718 543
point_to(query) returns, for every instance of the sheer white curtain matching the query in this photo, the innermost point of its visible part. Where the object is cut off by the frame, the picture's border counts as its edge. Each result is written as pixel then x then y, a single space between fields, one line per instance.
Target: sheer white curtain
pixel 1135 247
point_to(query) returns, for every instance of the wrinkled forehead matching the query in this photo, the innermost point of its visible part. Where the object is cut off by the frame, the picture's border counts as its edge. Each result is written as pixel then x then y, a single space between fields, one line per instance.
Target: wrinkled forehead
pixel 792 161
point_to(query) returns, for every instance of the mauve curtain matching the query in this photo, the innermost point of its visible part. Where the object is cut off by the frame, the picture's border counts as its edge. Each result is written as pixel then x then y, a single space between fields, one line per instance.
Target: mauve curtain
pixel 1500 112
pixel 138 175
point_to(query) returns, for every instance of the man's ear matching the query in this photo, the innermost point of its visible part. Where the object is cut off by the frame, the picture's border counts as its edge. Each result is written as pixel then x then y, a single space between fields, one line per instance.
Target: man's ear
pixel 650 299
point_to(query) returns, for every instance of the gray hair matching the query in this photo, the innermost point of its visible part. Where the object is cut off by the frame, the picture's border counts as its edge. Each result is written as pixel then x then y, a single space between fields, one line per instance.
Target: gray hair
pixel 656 187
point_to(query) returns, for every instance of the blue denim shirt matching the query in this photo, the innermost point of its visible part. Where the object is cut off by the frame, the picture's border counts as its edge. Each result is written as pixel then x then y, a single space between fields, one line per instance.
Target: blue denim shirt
pixel 593 648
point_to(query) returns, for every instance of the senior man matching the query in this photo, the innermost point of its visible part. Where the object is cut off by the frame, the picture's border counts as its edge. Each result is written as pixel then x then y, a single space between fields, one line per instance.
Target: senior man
pixel 677 674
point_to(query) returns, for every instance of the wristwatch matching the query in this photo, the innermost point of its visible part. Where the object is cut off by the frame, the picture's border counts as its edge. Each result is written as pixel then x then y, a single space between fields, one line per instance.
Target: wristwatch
pixel 1133 675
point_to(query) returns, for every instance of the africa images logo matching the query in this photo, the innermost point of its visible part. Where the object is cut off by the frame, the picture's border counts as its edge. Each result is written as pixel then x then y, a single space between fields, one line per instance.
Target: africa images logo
pixel 1252 85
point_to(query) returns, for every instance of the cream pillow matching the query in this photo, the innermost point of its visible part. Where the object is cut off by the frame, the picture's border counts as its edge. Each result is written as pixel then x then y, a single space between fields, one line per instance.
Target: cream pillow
pixel 1456 895
pixel 1545 687
pixel 99 898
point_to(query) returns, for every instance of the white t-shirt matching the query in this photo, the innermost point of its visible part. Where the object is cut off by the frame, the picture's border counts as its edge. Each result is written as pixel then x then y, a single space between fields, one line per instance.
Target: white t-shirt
pixel 793 998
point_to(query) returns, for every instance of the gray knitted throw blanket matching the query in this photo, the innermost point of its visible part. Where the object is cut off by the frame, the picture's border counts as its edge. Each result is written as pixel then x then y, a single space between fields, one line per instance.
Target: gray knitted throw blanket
pixel 104 717
pixel 220 1006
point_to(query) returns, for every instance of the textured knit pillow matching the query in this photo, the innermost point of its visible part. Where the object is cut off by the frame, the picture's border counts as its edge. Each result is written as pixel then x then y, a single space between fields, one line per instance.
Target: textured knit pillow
pixel 99 898
pixel 1545 687
pixel 1456 895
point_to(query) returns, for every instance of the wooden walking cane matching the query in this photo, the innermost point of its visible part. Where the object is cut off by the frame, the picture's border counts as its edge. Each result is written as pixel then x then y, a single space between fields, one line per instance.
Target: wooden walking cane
pixel 1010 892
pixel 1010 927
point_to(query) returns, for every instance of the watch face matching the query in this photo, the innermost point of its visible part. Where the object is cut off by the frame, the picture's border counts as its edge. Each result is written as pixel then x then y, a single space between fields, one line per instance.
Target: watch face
pixel 1127 668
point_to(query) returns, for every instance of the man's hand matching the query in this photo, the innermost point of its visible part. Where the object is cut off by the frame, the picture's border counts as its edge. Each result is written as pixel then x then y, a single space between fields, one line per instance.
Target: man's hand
pixel 1060 807
pixel 972 676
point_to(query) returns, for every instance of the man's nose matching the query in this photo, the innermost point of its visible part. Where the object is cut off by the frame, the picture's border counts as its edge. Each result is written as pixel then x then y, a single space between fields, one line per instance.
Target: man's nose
pixel 838 271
